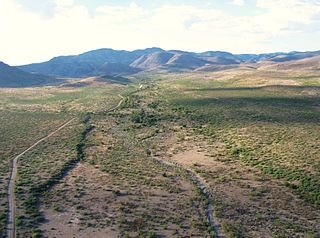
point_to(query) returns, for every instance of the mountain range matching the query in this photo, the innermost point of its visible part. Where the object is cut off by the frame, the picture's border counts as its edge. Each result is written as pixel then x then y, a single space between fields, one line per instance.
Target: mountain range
pixel 109 62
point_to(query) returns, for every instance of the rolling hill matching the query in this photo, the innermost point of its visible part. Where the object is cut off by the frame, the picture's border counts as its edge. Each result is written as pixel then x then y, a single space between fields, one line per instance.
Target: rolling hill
pixel 312 63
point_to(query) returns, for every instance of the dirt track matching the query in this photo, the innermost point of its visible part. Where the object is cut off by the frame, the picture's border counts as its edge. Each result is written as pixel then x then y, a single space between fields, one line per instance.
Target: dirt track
pixel 11 228
pixel 201 184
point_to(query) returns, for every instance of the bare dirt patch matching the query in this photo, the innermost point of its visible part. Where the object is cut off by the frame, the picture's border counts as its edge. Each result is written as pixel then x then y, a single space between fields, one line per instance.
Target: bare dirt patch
pixel 245 200
pixel 79 201
pixel 119 192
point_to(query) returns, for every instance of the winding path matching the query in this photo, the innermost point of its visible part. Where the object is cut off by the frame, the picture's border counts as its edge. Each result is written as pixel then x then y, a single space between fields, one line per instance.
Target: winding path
pixel 11 227
pixel 201 184
pixel 119 104
pixel 198 180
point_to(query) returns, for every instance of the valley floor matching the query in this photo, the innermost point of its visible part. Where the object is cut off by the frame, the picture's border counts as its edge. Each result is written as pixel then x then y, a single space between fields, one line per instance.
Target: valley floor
pixel 244 143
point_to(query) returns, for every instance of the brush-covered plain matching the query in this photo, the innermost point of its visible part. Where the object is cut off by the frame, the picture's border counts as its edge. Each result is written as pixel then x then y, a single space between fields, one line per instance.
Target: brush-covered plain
pixel 252 135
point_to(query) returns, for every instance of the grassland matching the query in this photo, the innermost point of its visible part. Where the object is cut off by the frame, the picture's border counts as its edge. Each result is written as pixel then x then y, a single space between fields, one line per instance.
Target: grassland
pixel 93 97
pixel 252 135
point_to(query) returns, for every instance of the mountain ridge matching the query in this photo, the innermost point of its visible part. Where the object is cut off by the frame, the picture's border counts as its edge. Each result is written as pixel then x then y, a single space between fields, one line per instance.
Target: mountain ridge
pixel 121 63
pixel 107 61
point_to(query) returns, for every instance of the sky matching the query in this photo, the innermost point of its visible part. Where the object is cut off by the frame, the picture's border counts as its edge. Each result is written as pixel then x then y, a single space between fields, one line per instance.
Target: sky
pixel 37 30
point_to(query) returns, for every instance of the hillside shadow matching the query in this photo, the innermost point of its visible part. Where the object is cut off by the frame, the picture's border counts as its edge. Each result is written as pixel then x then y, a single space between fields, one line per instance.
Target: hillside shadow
pixel 286 87
pixel 114 79
pixel 254 107
pixel 76 85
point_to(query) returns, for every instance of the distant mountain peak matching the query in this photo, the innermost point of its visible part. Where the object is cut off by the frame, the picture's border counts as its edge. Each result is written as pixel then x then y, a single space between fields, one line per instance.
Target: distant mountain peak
pixel 109 61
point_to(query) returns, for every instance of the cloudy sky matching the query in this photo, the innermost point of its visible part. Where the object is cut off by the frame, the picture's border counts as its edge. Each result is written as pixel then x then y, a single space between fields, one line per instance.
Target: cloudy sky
pixel 36 30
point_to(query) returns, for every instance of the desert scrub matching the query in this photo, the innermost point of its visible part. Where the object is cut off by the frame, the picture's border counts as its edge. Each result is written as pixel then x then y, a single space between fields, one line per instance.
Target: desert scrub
pixel 272 129
pixel 259 127
pixel 19 130
pixel 58 155
pixel 124 153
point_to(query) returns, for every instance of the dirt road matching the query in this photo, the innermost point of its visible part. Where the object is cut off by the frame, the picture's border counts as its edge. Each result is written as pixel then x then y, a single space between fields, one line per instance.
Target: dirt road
pixel 119 104
pixel 201 184
pixel 11 228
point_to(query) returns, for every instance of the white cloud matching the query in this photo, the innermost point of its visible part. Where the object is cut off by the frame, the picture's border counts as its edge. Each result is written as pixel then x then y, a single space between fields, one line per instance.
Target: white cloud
pixel 120 13
pixel 64 3
pixel 291 10
pixel 238 2
pixel 27 36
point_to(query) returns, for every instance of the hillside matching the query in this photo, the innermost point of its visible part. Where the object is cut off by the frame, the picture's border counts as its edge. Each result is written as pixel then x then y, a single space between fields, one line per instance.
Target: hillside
pixel 152 61
pixel 120 62
pixel 15 78
pixel 93 63
pixel 312 63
